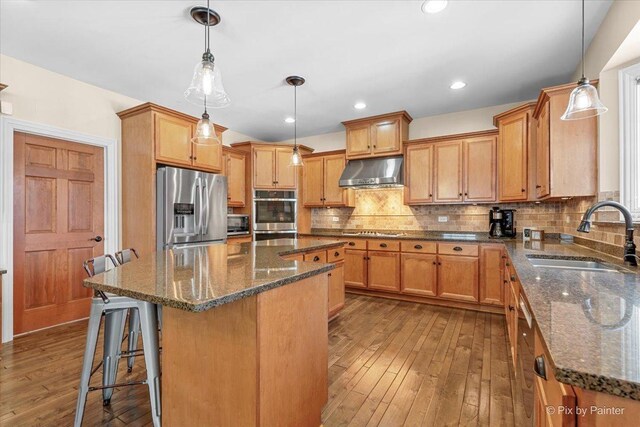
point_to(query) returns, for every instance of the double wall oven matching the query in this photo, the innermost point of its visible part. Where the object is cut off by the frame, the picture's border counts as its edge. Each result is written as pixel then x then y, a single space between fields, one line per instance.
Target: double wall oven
pixel 274 214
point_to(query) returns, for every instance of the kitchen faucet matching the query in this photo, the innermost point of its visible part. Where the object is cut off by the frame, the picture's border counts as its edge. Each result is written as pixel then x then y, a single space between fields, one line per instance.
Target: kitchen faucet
pixel 629 247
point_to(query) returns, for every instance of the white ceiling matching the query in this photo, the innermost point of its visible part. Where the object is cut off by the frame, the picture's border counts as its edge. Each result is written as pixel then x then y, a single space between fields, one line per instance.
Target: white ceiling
pixel 386 53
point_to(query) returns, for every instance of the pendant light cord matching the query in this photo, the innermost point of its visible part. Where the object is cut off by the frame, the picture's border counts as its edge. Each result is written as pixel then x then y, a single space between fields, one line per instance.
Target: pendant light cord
pixel 295 117
pixel 582 38
pixel 207 41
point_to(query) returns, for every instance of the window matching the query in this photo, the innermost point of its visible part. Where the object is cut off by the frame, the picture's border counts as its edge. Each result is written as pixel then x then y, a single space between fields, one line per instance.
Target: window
pixel 629 79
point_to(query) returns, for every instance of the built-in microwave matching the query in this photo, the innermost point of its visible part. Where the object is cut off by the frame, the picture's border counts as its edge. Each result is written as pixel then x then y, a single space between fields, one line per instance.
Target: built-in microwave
pixel 238 225
pixel 274 211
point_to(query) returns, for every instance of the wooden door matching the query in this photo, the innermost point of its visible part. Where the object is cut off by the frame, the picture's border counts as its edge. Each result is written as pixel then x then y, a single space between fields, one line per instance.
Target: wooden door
pixel 447 161
pixel 336 289
pixel 58 210
pixel 512 157
pixel 334 195
pixel 385 137
pixel 285 173
pixel 359 140
pixel 458 277
pixel 419 274
pixel 384 270
pixel 418 174
pixel 208 157
pixel 543 161
pixel 355 268
pixel 235 171
pixel 480 169
pixel 264 162
pixel 491 275
pixel 312 182
pixel 173 139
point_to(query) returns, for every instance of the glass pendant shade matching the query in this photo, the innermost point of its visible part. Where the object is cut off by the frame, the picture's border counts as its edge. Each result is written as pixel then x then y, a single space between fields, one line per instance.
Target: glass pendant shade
pixel 205 132
pixel 583 102
pixel 296 157
pixel 206 84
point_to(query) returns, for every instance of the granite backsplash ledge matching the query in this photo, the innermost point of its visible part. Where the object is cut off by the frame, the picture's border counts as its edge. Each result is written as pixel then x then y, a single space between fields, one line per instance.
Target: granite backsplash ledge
pixel 383 209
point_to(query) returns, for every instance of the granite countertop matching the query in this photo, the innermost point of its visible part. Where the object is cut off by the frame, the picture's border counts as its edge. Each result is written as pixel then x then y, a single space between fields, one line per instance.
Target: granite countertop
pixel 200 278
pixel 449 236
pixel 590 321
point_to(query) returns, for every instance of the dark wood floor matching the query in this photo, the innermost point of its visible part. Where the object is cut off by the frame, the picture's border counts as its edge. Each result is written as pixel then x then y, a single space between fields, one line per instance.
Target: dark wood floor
pixel 391 363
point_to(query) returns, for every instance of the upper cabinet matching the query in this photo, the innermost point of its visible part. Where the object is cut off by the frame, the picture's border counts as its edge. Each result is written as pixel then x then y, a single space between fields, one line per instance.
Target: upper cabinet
pixel 234 168
pixel 561 143
pixel 377 136
pixel 451 169
pixel 516 136
pixel 320 176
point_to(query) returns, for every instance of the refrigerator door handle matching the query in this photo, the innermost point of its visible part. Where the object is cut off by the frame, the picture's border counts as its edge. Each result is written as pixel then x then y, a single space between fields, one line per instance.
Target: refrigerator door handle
pixel 198 208
pixel 205 196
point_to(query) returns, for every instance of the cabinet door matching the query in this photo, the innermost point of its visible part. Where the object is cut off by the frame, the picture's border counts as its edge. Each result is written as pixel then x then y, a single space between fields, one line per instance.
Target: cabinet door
pixel 264 167
pixel 447 163
pixel 173 140
pixel 312 182
pixel 208 157
pixel 458 277
pixel 334 195
pixel 512 157
pixel 419 274
pixel 235 170
pixel 358 140
pixel 480 169
pixel 491 276
pixel 385 137
pixel 384 270
pixel 285 173
pixel 355 268
pixel 418 174
pixel 336 289
pixel 543 161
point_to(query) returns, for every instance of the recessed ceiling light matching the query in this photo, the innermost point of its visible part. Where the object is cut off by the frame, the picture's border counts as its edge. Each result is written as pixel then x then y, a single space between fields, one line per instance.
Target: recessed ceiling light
pixel 434 6
pixel 290 120
pixel 457 85
pixel 359 105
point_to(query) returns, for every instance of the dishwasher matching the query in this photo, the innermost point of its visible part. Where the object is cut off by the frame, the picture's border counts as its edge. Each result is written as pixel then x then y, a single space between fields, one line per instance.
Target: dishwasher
pixel 524 372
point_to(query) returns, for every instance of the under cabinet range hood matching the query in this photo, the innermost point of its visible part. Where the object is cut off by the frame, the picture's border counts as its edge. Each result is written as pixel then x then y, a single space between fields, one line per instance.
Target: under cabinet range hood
pixel 373 172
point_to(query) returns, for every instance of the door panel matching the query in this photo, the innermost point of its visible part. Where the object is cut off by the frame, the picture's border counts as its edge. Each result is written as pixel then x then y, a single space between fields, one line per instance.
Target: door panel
pixel 458 277
pixel 235 170
pixel 355 268
pixel 491 285
pixel 419 274
pixel 208 157
pixel 480 170
pixel 173 139
pixel 334 165
pixel 263 167
pixel 384 270
pixel 512 161
pixel 58 209
pixel 285 173
pixel 543 163
pixel 447 172
pixel 385 137
pixel 358 140
pixel 419 160
pixel 312 178
pixel 336 289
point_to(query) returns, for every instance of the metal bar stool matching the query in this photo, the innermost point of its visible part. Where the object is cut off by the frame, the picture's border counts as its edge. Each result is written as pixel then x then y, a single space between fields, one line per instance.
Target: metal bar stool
pixel 114 309
pixel 123 257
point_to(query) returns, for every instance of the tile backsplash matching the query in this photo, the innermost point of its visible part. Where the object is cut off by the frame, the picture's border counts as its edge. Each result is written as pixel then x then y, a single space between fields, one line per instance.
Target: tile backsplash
pixel 383 209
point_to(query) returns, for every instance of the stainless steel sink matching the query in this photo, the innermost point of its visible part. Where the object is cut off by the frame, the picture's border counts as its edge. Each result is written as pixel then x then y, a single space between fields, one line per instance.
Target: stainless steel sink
pixel 573 263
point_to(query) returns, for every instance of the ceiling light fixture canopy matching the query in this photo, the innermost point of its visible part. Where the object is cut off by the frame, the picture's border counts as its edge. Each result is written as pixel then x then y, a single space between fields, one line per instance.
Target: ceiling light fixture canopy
pixel 434 6
pixel 583 101
pixel 206 84
pixel 296 156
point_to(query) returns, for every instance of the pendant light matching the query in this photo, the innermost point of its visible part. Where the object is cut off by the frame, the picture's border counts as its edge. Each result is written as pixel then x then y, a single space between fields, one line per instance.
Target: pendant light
pixel 206 84
pixel 205 131
pixel 583 101
pixel 296 156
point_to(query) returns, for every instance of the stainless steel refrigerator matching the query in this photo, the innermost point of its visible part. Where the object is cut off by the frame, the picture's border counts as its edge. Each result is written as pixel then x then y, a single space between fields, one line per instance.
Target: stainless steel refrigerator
pixel 191 208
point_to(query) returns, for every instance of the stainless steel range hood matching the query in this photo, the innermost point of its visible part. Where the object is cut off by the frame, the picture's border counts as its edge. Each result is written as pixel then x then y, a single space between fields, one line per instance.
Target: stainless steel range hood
pixel 376 172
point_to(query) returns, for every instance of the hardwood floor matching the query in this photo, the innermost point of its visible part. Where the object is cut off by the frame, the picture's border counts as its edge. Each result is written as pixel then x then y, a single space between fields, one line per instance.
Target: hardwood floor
pixel 391 363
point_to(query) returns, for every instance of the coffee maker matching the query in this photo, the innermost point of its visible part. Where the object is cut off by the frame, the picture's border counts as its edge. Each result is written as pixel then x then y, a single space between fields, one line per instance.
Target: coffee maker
pixel 502 222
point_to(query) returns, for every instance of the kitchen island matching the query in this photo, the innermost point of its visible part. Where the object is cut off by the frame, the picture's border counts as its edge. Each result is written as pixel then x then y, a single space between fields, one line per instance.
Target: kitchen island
pixel 244 331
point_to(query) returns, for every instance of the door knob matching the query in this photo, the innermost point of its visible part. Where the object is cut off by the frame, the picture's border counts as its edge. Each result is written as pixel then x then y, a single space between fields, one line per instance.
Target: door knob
pixel 97 239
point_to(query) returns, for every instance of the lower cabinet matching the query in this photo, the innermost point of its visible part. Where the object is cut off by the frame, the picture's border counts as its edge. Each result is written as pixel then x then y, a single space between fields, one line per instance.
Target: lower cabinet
pixel 336 289
pixel 355 268
pixel 419 274
pixel 384 270
pixel 458 277
pixel 491 276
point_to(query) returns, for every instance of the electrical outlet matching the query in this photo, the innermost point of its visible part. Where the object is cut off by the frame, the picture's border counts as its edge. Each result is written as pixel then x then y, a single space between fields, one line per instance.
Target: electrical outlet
pixel 335 219
pixel 443 219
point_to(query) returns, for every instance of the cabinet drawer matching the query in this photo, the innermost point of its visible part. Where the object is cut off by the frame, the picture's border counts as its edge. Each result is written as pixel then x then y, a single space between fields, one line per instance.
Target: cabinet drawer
pixel 317 256
pixel 335 254
pixel 359 244
pixel 457 249
pixel 294 257
pixel 384 245
pixel 419 247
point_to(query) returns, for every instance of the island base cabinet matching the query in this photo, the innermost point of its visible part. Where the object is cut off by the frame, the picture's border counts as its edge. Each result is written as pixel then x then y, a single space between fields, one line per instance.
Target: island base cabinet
pixel 224 366
pixel 458 277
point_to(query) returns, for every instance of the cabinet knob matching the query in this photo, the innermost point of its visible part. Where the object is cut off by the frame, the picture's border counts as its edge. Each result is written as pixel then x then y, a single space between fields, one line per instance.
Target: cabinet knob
pixel 513 278
pixel 195 158
pixel 504 257
pixel 460 194
pixel 352 243
pixel 511 308
pixel 538 186
pixel 434 263
pixel 430 195
pixel 507 264
pixel 417 247
pixel 368 147
pixel 316 258
pixel 523 190
pixel 383 245
pixel 505 282
pixel 336 253
pixel 329 274
pixel 466 194
pixel 439 263
pixel 539 367
pixel 457 248
pixel 374 145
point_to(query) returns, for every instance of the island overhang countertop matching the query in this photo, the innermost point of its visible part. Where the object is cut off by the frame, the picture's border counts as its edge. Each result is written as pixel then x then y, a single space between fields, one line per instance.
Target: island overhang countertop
pixel 199 278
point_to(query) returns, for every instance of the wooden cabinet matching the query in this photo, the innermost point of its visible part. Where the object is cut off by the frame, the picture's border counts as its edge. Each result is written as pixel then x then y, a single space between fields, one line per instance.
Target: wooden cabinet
pixel 377 136
pixel 236 240
pixel 418 170
pixel 561 144
pixel 479 168
pixel 336 289
pixel 447 168
pixel 384 270
pixel 458 277
pixel 285 174
pixel 207 157
pixel 511 317
pixel 491 275
pixel 355 268
pixel 271 168
pixel 316 256
pixel 419 274
pixel 234 168
pixel 514 139
pixel 320 178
